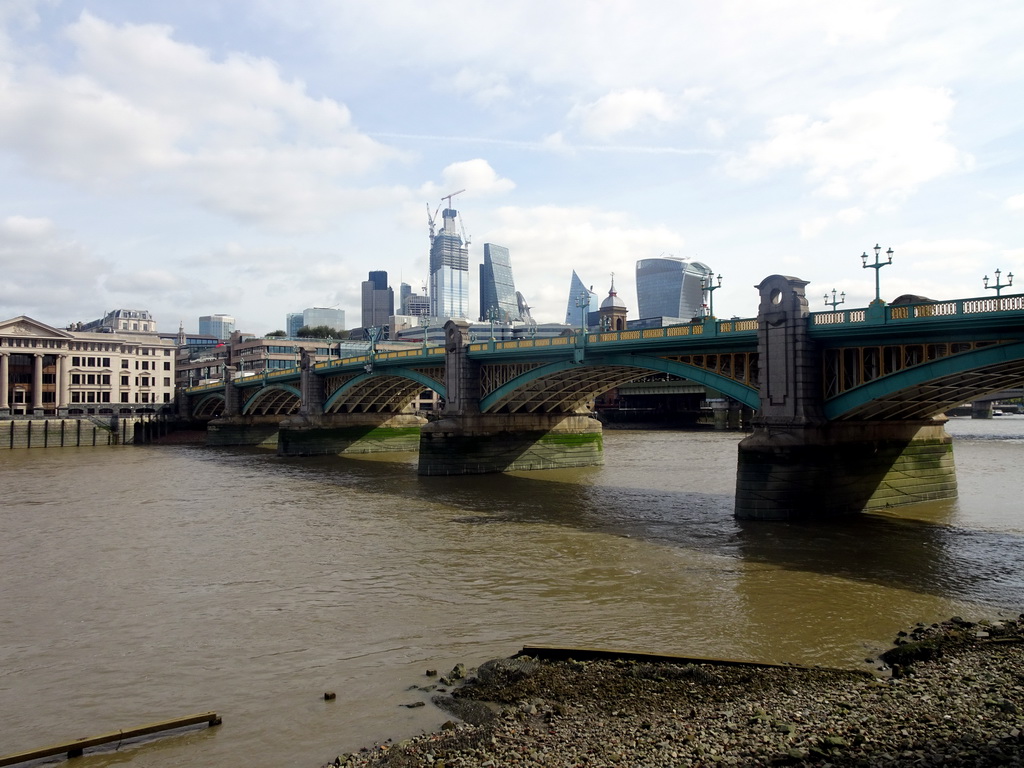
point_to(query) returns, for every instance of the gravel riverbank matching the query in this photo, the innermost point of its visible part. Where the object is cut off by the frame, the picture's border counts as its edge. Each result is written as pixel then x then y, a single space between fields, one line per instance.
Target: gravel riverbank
pixel 949 694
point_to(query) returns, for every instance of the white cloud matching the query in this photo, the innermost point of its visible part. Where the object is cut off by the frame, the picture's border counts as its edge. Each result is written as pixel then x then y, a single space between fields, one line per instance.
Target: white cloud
pixel 487 88
pixel 476 176
pixel 46 275
pixel 1015 203
pixel 144 109
pixel 622 111
pixel 816 226
pixel 24 229
pixel 880 147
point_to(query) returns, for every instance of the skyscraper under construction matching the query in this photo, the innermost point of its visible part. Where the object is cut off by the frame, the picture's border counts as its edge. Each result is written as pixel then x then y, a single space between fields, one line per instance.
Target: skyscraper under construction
pixel 449 267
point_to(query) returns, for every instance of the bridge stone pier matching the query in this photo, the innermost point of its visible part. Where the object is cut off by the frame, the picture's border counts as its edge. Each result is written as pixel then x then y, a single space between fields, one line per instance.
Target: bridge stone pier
pixel 312 432
pixel 466 441
pixel 234 428
pixel 797 463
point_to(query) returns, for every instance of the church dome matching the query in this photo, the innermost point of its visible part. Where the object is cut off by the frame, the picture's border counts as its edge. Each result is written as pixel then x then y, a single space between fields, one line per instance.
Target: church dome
pixel 612 301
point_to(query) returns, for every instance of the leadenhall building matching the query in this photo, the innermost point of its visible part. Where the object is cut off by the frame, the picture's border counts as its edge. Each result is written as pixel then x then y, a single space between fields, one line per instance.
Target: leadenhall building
pixel 116 365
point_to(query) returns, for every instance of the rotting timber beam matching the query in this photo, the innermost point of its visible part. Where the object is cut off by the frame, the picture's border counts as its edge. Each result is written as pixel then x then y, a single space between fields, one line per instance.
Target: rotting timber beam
pixel 76 747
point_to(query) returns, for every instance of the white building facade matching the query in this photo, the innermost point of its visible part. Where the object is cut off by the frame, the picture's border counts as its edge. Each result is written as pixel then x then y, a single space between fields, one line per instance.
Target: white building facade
pixel 48 371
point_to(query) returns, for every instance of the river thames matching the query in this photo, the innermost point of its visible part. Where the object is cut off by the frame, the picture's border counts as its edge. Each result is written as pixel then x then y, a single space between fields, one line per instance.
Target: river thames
pixel 143 583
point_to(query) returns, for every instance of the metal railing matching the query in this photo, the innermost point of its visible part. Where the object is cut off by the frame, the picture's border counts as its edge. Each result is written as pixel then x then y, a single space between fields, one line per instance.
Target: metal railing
pixel 932 309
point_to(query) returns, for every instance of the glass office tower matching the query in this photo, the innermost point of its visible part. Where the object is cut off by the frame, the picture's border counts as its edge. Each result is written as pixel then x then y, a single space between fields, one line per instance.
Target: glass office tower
pixel 670 287
pixel 221 326
pixel 449 270
pixel 497 288
pixel 378 300
pixel 573 310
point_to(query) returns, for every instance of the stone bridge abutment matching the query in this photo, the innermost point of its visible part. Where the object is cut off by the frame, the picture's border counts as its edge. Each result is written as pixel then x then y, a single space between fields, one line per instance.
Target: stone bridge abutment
pixel 466 441
pixel 798 464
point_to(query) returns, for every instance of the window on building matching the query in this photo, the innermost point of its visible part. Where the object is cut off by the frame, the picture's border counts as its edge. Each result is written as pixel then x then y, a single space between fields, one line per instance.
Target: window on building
pixel 124 397
pixel 76 397
pixel 76 361
pixel 105 379
pixel 167 366
pixel 124 381
pixel 76 378
pixel 106 362
pixel 167 381
pixel 125 363
pixel 90 379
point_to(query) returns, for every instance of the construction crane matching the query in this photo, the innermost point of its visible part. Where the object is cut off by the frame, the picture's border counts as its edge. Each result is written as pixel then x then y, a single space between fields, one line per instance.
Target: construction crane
pixel 431 219
pixel 453 194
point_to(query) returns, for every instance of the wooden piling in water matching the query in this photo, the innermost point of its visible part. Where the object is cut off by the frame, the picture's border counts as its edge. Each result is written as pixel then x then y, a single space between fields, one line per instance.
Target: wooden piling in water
pixel 76 747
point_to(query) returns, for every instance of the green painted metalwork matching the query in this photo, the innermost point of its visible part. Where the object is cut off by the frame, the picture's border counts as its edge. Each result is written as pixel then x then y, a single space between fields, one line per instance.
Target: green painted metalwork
pixel 946 374
pixel 254 400
pixel 423 382
pixel 208 403
pixel 729 387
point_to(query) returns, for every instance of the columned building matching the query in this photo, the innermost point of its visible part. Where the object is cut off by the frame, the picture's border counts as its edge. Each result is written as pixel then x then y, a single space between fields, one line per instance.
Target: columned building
pixel 45 371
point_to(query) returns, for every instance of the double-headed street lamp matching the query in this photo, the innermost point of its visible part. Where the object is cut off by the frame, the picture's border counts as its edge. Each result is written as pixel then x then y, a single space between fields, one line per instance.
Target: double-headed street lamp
pixel 834 302
pixel 425 325
pixel 998 287
pixel 707 283
pixel 492 315
pixel 583 302
pixel 876 266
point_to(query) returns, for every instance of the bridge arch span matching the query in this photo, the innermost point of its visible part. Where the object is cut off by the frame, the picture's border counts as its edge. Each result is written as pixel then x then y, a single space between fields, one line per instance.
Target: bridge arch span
pixel 387 391
pixel 273 400
pixel 210 406
pixel 564 386
pixel 925 390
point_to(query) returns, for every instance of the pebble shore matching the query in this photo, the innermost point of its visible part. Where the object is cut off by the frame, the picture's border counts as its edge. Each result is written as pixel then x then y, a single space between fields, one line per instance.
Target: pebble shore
pixel 947 694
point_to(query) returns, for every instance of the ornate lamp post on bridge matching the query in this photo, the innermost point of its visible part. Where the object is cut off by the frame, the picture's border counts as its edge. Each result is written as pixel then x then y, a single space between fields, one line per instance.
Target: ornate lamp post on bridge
pixel 583 302
pixel 998 287
pixel 492 315
pixel 374 333
pixel 425 325
pixel 834 303
pixel 876 266
pixel 707 283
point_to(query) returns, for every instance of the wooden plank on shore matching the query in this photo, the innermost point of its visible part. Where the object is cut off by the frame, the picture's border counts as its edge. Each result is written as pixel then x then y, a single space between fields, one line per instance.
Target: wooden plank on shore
pixel 553 653
pixel 74 748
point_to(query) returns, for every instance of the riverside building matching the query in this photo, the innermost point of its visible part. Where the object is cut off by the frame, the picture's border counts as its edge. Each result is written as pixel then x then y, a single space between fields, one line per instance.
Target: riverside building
pixel 47 371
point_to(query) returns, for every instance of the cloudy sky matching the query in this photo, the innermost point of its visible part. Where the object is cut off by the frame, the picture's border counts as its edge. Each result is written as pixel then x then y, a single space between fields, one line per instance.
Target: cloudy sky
pixel 255 158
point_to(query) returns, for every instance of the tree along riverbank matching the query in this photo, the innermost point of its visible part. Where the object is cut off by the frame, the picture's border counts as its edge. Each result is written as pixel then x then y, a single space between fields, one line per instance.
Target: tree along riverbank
pixel 949 694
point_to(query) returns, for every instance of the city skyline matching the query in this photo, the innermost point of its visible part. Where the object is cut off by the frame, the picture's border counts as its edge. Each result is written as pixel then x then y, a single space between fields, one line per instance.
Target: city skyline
pixel 192 158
